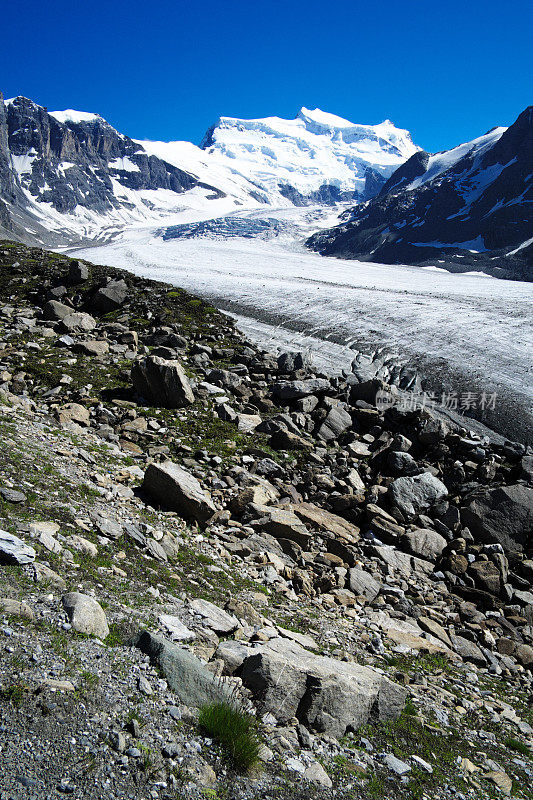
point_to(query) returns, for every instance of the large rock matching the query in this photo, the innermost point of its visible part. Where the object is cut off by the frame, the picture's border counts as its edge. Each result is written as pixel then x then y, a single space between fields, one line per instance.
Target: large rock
pixel 214 617
pixel 162 382
pixel 14 551
pixel 337 421
pixel 363 584
pixel 416 494
pixel 503 515
pixel 78 321
pixel 85 614
pixel 293 390
pixel 110 297
pixel 326 695
pixel 15 608
pixel 425 543
pixel 291 362
pixel 73 412
pixel 178 490
pixel 282 524
pixel 54 310
pixel 326 522
pixel 193 683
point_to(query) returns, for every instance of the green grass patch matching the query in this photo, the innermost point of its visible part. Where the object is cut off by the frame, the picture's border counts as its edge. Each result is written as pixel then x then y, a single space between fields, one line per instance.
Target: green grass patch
pixel 235 730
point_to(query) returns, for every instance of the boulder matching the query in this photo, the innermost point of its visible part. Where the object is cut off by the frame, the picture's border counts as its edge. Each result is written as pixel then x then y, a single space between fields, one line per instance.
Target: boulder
pixel 363 584
pixel 326 522
pixel 78 321
pixel 14 551
pixel 282 524
pixel 43 574
pixel 223 377
pixel 176 629
pixel 214 617
pixel 85 614
pixel 73 412
pixel 178 490
pixel 425 543
pixel 486 575
pixel 110 297
pixel 293 390
pixel 326 695
pixel 54 310
pixel 337 421
pixel 187 676
pixel 416 494
pixel 291 362
pixel 469 651
pixel 247 423
pixel 78 272
pixel 503 515
pixel 92 347
pixel 161 382
pixel 15 608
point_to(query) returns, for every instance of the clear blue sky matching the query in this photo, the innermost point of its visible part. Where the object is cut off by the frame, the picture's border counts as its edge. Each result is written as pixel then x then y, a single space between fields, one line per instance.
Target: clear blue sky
pixel 167 69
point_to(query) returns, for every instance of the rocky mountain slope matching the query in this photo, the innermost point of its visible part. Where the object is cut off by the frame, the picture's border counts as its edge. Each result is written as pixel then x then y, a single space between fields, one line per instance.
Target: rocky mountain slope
pixel 65 173
pixel 469 208
pixel 69 176
pixel 188 519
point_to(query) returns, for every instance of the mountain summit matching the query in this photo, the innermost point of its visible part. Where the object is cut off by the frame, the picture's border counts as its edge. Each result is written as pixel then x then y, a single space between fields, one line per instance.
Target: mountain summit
pixel 316 157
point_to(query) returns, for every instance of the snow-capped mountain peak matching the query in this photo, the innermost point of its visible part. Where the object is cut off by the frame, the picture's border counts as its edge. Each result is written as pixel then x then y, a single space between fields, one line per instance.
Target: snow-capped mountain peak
pixel 70 115
pixel 315 157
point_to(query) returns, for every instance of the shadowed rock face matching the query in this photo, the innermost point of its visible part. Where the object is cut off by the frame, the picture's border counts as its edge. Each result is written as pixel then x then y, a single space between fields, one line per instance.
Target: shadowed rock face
pixel 70 164
pixel 481 200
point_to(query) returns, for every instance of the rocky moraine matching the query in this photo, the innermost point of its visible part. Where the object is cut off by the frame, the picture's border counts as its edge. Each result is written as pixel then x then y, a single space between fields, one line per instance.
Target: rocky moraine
pixel 186 519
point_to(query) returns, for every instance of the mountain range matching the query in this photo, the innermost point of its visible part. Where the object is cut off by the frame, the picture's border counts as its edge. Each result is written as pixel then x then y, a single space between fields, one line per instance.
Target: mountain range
pixel 68 177
pixel 469 207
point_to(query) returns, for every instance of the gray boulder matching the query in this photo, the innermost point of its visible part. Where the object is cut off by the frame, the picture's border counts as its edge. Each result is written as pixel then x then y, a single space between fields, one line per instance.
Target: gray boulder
pixel 110 297
pixel 503 515
pixel 78 272
pixel 337 421
pixel 54 310
pixel 14 550
pixel 194 684
pixel 281 523
pixel 223 377
pixel 291 362
pixel 178 490
pixel 78 321
pixel 416 494
pixel 326 695
pixel 362 583
pixel 425 543
pixel 214 617
pixel 161 382
pixel 85 614
pixel 293 390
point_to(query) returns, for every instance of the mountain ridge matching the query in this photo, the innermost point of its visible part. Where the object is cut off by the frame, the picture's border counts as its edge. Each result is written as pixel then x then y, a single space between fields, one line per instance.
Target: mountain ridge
pixel 69 176
pixel 465 208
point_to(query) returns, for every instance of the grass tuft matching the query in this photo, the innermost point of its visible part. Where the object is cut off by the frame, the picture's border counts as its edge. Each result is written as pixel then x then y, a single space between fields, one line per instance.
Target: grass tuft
pixel 519 747
pixel 235 730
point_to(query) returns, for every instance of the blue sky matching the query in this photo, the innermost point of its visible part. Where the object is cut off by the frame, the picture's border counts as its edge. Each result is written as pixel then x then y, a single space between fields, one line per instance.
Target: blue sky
pixel 447 71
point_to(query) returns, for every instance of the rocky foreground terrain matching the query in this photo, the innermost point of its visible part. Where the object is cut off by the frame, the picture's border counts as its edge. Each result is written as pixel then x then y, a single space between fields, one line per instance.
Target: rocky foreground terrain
pixel 187 519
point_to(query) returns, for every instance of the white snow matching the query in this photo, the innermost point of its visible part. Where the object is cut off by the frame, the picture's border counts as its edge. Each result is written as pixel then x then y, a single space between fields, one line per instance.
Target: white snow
pixel 441 162
pixel 520 247
pixel 71 115
pixel 23 164
pixel 313 149
pixel 479 327
pixel 125 164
